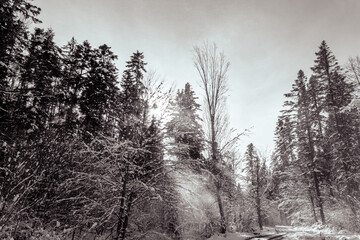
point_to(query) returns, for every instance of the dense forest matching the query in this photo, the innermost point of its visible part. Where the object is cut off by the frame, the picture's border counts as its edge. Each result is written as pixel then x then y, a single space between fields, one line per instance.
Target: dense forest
pixel 91 153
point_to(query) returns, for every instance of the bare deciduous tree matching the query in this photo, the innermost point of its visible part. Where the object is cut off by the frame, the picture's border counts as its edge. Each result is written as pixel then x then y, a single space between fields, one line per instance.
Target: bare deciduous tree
pixel 212 67
pixel 353 68
pixel 353 74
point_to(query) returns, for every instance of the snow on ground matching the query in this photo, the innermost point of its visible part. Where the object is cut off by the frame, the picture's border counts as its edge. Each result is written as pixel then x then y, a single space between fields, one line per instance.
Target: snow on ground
pixel 231 236
pixel 313 236
pixel 294 233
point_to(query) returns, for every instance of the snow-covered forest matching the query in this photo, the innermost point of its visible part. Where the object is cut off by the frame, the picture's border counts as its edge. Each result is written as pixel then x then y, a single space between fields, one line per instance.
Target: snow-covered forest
pixel 88 152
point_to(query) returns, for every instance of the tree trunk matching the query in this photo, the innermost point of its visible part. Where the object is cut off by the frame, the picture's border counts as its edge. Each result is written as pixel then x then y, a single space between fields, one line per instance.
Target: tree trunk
pixel 318 195
pixel 126 217
pixel 221 209
pixel 213 142
pixel 324 152
pixel 216 171
pixel 312 204
pixel 313 170
pixel 122 208
pixel 258 208
pixel 212 68
pixel 73 235
pixel 283 218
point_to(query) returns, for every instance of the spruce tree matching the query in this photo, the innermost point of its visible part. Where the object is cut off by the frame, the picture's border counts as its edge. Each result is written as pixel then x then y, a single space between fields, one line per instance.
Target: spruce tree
pixel 340 124
pixel 131 101
pixel 13 40
pixel 184 128
pixel 306 142
pixel 100 93
pixel 296 141
pixel 132 129
pixel 75 68
pixel 43 72
pixel 256 177
pixel 316 98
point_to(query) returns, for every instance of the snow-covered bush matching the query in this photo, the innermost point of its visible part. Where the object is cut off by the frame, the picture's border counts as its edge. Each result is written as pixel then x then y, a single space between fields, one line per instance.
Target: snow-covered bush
pixel 342 219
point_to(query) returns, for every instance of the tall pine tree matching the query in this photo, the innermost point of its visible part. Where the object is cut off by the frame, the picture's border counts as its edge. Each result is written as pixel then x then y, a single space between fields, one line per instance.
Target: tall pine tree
pixel 184 129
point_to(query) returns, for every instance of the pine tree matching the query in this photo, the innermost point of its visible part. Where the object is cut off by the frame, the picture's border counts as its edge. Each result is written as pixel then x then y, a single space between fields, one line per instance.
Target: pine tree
pixel 14 41
pixel 41 76
pixel 256 171
pixel 132 104
pixel 284 142
pixel 340 124
pixel 132 129
pixel 296 141
pixel 317 105
pixel 184 128
pixel 283 160
pixel 317 141
pixel 100 93
pixel 75 69
pixel 306 142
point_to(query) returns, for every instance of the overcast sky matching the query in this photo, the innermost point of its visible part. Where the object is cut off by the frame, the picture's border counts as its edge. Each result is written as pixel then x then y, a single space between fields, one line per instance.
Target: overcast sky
pixel 266 41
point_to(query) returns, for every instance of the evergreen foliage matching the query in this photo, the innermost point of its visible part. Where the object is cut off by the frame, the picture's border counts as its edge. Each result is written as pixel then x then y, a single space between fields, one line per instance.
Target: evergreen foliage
pixel 184 129
pixel 79 153
pixel 257 178
pixel 82 156
pixel 319 143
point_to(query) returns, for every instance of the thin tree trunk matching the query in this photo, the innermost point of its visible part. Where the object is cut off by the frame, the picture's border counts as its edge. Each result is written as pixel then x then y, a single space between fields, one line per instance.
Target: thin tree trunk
pixel 283 218
pixel 215 171
pixel 324 152
pixel 312 205
pixel 221 209
pixel 73 235
pixel 126 217
pixel 313 169
pixel 122 208
pixel 212 68
pixel 319 199
pixel 258 208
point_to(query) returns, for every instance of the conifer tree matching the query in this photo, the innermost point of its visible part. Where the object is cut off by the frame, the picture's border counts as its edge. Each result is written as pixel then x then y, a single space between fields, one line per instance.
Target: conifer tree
pixel 340 124
pixel 284 141
pixel 13 41
pixel 256 170
pixel 283 160
pixel 299 135
pixel 131 101
pixel 306 142
pixel 317 104
pixel 99 93
pixel 43 72
pixel 184 128
pixel 75 69
pixel 132 129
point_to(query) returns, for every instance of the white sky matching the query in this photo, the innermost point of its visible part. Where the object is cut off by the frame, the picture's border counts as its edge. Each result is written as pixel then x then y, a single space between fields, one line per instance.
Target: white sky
pixel 266 41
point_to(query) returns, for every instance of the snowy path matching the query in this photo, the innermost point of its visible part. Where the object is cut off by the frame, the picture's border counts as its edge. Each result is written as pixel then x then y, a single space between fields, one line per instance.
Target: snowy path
pixel 268 237
pixel 288 233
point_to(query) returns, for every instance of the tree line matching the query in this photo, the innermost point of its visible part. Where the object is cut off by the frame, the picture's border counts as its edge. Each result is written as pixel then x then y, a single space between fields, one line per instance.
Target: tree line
pixel 316 157
pixel 80 149
pixel 83 155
